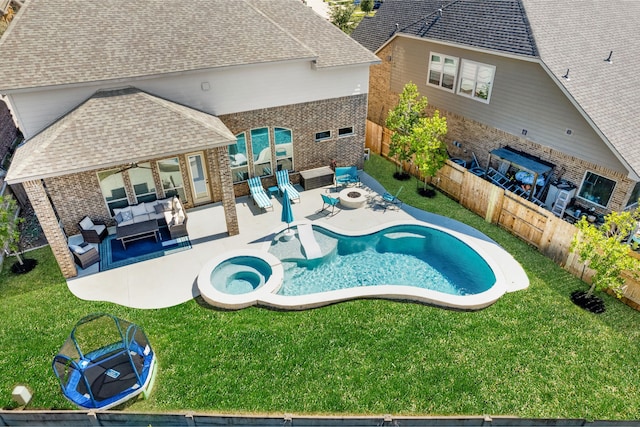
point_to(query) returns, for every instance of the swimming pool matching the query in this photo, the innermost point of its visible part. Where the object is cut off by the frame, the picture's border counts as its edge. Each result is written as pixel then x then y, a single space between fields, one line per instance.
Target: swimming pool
pixel 405 261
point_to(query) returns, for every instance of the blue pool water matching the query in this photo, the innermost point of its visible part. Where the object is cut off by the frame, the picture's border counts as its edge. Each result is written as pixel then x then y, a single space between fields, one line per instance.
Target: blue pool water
pixel 240 275
pixel 409 255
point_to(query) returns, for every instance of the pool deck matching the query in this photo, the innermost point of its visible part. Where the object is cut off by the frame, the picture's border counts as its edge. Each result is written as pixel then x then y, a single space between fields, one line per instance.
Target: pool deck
pixel 172 280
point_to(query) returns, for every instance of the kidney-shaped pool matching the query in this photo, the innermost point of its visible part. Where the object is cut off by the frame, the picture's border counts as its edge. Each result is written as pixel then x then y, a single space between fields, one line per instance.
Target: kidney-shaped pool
pixel 407 261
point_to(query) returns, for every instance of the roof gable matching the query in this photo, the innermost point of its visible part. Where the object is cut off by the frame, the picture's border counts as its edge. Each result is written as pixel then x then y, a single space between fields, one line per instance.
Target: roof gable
pixel 499 25
pixel 56 42
pixel 132 126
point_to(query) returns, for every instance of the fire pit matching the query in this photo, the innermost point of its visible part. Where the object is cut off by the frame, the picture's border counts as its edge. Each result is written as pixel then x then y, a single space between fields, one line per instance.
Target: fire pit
pixel 352 198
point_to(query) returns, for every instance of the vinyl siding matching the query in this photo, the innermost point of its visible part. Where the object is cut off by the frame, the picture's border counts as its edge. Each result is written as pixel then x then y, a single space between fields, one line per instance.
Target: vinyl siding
pixel 523 97
pixel 230 91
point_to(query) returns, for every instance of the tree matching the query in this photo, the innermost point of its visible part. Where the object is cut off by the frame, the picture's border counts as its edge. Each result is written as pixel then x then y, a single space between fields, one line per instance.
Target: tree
pixel 366 6
pixel 9 226
pixel 605 250
pixel 430 150
pixel 340 16
pixel 402 120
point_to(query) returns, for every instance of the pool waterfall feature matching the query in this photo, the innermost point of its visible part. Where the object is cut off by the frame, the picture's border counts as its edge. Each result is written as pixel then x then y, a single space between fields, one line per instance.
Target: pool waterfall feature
pixel 396 254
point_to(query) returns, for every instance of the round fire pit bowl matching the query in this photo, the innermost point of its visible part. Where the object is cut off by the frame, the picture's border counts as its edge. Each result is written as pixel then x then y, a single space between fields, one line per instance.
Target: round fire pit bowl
pixel 352 198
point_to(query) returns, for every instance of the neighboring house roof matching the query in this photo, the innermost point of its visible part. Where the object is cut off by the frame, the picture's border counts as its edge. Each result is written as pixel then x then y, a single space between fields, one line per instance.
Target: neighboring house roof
pixel 488 24
pixel 563 35
pixel 113 128
pixel 57 42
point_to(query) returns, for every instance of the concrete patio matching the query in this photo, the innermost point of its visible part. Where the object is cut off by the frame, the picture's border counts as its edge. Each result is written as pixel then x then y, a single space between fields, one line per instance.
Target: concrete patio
pixel 171 280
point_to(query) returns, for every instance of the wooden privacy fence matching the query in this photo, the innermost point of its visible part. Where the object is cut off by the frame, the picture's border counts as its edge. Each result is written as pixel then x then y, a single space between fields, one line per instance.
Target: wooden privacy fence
pixel 535 225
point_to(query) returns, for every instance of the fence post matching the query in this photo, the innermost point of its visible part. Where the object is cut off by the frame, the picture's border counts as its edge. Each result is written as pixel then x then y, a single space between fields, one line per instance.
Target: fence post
pixel 494 199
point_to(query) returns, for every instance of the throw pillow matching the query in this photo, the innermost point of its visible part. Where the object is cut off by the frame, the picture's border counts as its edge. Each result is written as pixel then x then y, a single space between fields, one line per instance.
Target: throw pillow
pixel 151 207
pixel 119 218
pixel 138 210
pixel 126 215
pixel 86 223
pixel 78 250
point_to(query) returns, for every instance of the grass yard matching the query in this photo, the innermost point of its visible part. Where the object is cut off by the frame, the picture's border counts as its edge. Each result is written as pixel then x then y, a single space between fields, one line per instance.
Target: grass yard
pixel 532 354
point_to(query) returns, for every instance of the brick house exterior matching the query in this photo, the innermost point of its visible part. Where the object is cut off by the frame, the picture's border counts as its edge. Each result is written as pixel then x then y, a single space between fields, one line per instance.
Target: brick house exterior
pixel 106 109
pixel 545 95
pixel 8 130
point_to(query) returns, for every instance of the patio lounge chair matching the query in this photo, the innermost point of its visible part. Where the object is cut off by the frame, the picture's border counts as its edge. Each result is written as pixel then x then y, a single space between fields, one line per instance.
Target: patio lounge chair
pixel 346 175
pixel 258 194
pixel 329 201
pixel 389 199
pixel 92 232
pixel 282 177
pixel 84 256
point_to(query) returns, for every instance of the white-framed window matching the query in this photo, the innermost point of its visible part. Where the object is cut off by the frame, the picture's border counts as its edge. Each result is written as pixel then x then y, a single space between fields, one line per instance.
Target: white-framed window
pixel 261 148
pixel 141 179
pixel 171 178
pixel 346 131
pixel 320 136
pixel 596 189
pixel 284 148
pixel 238 158
pixel 633 198
pixel 476 80
pixel 442 71
pixel 113 190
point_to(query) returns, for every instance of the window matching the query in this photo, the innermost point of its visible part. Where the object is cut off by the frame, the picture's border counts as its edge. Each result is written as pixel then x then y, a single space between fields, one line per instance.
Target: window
pixel 476 80
pixel 323 135
pixel 596 189
pixel 171 178
pixel 144 187
pixel 284 148
pixel 442 71
pixel 345 131
pixel 112 186
pixel 635 193
pixel 261 147
pixel 238 159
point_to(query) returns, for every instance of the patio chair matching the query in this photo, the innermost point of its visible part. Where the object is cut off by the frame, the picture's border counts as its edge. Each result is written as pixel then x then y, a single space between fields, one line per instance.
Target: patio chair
pixel 389 199
pixel 258 194
pixel 85 256
pixel 346 175
pixel 92 232
pixel 282 177
pixel 329 201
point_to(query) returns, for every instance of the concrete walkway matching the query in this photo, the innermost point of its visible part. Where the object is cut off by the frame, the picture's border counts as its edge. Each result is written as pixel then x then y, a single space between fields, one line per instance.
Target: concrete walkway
pixel 171 280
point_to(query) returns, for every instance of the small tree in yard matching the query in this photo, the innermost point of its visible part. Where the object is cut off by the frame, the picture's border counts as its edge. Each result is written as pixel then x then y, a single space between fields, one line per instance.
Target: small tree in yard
pixel 403 119
pixel 605 250
pixel 366 6
pixel 9 226
pixel 340 16
pixel 430 150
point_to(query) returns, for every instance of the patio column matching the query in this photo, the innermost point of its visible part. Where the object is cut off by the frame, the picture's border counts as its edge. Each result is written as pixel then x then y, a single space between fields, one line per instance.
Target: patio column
pixel 52 231
pixel 228 197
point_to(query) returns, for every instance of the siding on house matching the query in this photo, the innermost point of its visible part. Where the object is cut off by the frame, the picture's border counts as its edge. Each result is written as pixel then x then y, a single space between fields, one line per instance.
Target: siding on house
pixel 523 97
pixel 229 91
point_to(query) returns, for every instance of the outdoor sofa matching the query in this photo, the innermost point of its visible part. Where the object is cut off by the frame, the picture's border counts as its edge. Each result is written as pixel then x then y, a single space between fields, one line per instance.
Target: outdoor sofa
pixel 169 212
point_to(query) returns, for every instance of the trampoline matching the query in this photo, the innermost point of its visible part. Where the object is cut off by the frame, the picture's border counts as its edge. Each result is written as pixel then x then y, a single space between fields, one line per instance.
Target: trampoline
pixel 104 362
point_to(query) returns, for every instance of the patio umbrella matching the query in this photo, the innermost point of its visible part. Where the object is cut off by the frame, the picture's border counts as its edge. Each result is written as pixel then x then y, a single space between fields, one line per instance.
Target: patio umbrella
pixel 287 214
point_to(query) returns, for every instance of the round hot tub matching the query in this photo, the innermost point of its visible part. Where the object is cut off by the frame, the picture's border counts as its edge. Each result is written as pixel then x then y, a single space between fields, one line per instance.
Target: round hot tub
pixel 240 275
pixel 237 279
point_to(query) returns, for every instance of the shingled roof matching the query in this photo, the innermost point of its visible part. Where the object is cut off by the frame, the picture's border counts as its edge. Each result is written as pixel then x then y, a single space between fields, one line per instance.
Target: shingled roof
pixel 488 24
pixel 57 42
pixel 80 142
pixel 563 35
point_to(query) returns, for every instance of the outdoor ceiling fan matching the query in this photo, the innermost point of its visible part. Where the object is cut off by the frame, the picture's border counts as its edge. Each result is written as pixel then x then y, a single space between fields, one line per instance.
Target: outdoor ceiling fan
pixel 133 165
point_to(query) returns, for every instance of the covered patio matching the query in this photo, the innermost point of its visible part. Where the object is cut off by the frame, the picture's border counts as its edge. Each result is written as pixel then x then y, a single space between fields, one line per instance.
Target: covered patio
pixel 171 280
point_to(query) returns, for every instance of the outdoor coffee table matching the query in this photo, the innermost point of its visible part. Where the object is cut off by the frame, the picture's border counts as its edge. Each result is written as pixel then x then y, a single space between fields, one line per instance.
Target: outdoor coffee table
pixel 137 231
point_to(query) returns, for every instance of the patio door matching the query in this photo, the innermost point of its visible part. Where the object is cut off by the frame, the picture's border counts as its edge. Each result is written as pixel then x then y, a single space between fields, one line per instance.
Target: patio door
pixel 199 179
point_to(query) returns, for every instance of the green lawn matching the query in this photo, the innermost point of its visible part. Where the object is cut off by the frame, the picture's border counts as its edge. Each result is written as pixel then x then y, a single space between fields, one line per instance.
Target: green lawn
pixel 532 354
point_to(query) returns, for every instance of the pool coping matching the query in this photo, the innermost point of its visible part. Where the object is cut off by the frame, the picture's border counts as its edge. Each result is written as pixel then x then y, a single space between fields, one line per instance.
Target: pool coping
pixel 266 295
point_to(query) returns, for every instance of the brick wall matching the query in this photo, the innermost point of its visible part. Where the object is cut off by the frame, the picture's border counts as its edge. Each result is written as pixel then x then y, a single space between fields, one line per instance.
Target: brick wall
pixel 8 130
pixel 77 195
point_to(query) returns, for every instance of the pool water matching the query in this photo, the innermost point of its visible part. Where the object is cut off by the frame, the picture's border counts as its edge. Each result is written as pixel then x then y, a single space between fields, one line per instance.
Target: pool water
pixel 409 255
pixel 240 275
